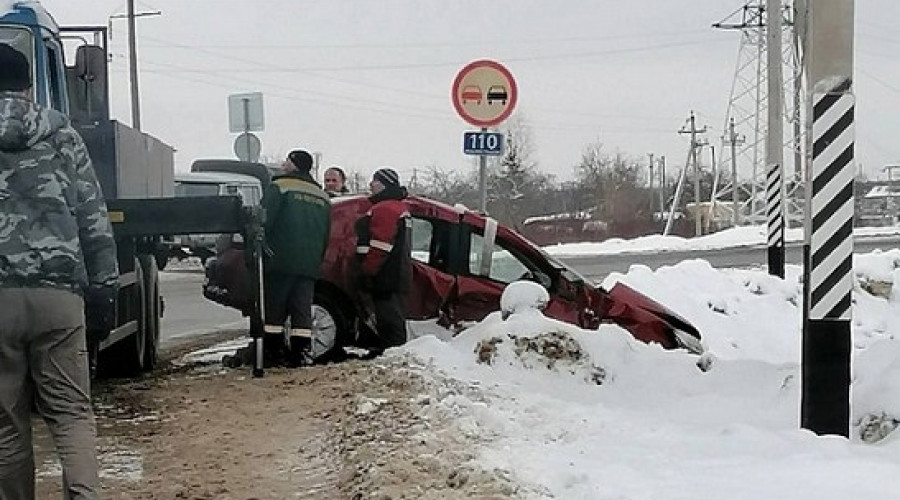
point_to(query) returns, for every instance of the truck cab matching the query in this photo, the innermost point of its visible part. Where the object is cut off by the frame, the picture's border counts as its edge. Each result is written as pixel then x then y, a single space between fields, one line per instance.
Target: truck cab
pixel 28 28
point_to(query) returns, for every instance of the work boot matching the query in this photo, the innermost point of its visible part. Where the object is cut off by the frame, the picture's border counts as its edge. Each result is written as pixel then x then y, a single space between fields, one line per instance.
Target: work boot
pixel 299 352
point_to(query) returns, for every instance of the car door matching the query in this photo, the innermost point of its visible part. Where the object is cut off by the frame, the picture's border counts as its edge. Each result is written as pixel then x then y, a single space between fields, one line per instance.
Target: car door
pixel 432 282
pixel 494 259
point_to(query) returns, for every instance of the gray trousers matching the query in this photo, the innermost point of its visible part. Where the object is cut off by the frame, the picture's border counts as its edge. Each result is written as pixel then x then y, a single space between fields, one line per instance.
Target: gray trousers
pixel 44 361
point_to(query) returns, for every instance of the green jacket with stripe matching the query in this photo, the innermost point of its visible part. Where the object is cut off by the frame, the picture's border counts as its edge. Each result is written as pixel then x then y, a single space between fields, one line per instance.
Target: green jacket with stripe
pixel 298 220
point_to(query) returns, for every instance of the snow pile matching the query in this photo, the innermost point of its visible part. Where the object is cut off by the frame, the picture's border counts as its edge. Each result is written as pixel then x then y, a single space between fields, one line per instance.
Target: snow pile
pixel 575 414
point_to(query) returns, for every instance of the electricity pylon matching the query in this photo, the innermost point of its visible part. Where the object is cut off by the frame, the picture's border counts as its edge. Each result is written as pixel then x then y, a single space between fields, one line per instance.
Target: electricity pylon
pixel 747 110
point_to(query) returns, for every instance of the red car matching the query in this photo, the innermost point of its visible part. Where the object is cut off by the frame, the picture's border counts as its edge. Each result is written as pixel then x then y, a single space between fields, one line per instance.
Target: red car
pixel 462 261
pixel 471 93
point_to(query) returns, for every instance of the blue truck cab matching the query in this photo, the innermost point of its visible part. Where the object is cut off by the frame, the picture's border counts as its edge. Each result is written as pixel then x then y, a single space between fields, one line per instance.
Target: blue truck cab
pixel 30 29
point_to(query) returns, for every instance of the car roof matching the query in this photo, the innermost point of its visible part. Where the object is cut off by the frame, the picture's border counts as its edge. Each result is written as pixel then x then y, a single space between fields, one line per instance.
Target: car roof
pixel 216 178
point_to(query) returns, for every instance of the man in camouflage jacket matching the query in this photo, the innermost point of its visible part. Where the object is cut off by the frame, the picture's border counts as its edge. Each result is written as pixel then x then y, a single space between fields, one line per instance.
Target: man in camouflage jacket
pixel 56 253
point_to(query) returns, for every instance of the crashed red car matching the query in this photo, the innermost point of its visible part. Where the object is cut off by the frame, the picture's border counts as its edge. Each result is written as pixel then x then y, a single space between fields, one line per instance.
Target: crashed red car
pixel 462 261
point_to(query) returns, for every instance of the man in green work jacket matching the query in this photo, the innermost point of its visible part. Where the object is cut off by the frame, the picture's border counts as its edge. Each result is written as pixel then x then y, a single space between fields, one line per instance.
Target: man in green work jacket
pixel 298 218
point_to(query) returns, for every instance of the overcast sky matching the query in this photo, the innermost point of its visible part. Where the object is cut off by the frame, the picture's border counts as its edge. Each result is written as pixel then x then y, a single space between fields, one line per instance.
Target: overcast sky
pixel 367 83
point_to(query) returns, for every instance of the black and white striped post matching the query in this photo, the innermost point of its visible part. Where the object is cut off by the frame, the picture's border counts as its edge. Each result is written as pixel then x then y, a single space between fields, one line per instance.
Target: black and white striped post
pixel 825 400
pixel 775 218
pixel 774 141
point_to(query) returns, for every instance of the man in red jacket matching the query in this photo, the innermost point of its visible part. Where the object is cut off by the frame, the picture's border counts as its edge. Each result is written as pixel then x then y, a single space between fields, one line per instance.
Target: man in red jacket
pixel 384 254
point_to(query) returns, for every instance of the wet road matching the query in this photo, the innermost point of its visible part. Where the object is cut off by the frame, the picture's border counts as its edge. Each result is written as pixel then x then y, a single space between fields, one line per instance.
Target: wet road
pixel 599 266
pixel 187 312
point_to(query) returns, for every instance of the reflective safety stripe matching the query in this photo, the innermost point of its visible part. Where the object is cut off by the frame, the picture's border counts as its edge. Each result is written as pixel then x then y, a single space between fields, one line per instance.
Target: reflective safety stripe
pixel 273 328
pixel 301 332
pixel 362 249
pixel 387 247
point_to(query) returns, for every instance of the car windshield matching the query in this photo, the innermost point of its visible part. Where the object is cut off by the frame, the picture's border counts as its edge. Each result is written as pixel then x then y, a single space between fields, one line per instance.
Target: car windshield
pixel 196 189
pixel 572 274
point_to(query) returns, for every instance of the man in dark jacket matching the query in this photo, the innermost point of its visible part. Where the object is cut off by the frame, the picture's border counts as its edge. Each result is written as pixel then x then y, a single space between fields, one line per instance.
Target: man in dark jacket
pixel 298 220
pixel 384 252
pixel 56 253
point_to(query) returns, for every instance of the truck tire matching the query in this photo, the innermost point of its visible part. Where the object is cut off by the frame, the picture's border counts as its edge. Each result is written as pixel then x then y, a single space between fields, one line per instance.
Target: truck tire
pixel 153 309
pixel 125 358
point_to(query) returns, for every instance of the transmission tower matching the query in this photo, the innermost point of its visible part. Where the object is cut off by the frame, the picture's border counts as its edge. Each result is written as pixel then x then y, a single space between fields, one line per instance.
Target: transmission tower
pixel 747 110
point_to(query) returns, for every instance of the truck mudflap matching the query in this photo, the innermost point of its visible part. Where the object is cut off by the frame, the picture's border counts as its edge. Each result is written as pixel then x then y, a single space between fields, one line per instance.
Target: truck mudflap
pixel 650 321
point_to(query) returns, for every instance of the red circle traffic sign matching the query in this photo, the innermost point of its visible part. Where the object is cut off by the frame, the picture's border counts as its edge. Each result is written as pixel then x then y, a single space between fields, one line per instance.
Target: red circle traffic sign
pixel 484 93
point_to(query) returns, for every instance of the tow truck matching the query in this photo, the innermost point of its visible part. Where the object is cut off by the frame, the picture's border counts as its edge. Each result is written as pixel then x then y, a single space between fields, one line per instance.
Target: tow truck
pixel 136 173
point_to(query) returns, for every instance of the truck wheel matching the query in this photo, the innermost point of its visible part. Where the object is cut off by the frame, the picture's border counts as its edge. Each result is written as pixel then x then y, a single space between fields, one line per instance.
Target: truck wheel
pixel 152 311
pixel 125 358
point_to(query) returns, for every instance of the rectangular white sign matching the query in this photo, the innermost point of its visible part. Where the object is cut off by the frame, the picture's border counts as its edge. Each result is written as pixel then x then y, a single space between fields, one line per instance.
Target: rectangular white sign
pixel 245 112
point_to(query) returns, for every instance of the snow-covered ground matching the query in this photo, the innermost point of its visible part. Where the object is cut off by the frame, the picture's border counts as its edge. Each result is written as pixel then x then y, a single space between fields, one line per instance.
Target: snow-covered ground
pixel 571 414
pixel 613 418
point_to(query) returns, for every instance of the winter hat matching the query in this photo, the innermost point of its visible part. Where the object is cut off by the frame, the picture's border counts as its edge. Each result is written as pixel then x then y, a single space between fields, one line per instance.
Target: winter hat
pixel 386 176
pixel 16 74
pixel 301 159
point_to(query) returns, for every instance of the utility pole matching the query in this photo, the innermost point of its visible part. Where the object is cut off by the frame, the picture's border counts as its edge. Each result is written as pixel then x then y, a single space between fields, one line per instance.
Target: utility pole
pixel 131 16
pixel 692 156
pixel 828 244
pixel 133 69
pixel 651 184
pixel 662 185
pixel 715 187
pixel 734 140
pixel 774 141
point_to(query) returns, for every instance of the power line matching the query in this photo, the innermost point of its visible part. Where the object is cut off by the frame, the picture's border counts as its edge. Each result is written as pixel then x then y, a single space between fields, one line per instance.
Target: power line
pixel 432 45
pixel 457 63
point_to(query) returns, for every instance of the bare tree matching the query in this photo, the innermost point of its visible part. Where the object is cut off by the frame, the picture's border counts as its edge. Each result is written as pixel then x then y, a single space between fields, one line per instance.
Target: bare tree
pixel 516 188
pixel 616 184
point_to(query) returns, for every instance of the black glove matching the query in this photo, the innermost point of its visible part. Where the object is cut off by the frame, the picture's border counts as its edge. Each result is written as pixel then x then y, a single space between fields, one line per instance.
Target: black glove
pixel 100 312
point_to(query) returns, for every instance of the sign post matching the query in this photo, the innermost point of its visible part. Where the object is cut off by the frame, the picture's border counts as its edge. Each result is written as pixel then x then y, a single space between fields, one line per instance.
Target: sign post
pixel 828 243
pixel 484 94
pixel 245 115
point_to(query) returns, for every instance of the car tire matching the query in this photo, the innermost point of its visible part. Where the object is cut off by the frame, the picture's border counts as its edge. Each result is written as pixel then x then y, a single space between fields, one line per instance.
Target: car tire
pixel 330 329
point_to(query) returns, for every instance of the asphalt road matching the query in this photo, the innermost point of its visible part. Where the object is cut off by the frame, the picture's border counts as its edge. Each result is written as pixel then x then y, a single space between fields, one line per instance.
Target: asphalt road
pixel 599 266
pixel 187 312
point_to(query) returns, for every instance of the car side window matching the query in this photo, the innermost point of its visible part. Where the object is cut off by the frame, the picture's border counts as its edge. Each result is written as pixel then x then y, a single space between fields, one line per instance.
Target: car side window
pixel 430 242
pixel 505 266
pixel 422 231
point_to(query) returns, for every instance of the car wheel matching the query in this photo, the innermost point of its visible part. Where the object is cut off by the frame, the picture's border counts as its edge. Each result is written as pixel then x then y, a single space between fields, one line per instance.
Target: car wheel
pixel 329 328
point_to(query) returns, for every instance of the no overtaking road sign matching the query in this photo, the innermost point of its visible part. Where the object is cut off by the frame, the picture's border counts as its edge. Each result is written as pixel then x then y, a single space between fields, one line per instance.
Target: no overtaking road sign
pixel 484 93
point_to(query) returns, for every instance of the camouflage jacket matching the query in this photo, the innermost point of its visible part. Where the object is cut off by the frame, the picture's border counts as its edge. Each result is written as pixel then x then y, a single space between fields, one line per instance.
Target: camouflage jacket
pixel 54 228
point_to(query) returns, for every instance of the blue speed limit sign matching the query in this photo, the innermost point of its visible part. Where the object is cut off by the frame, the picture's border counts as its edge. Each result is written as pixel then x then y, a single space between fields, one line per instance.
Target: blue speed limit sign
pixel 483 143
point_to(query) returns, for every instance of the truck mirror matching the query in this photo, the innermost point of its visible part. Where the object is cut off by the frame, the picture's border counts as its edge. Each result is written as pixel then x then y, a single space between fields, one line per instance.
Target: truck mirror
pixel 87 81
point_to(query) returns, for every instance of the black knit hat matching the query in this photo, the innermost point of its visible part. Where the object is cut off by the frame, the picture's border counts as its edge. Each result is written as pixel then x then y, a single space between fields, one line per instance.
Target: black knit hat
pixel 386 176
pixel 16 74
pixel 301 159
